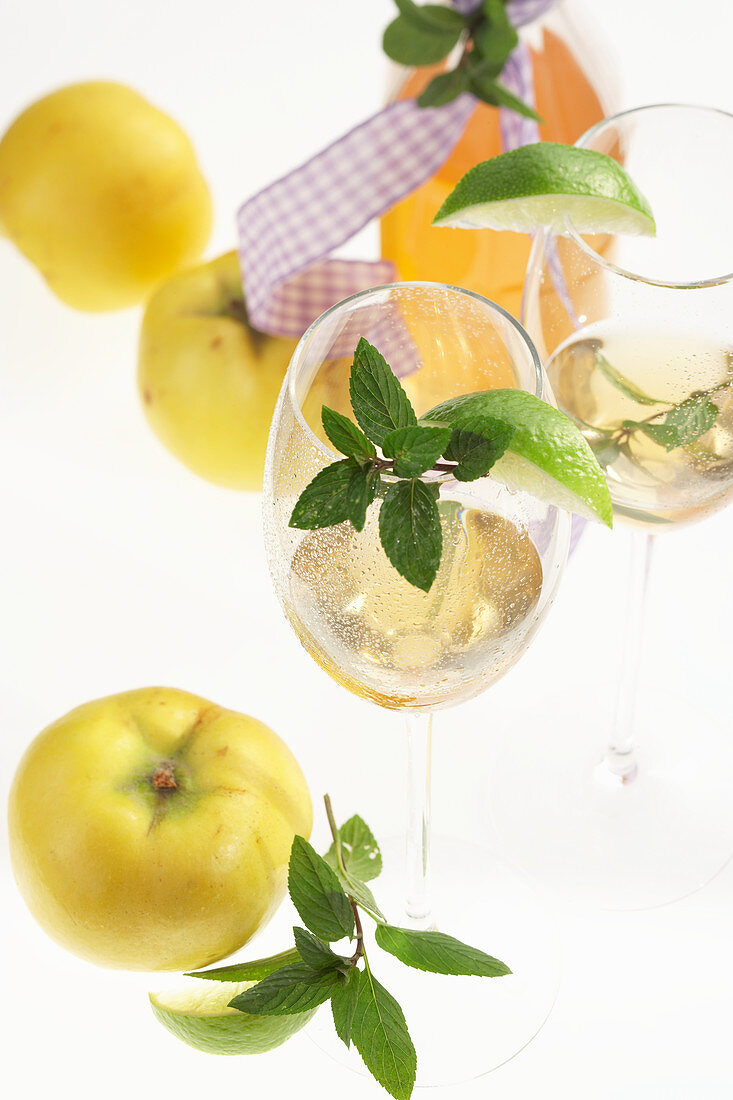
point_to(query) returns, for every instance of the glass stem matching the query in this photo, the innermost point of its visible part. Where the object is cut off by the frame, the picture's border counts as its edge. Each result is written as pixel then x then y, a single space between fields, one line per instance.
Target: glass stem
pixel 417 852
pixel 621 758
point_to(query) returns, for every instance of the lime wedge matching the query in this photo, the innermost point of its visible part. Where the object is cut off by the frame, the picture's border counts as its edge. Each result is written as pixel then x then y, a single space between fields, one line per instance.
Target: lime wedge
pixel 200 1016
pixel 548 184
pixel 547 455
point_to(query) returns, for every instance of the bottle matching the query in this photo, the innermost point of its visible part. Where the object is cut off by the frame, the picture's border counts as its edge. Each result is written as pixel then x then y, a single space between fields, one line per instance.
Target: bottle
pixel 568 100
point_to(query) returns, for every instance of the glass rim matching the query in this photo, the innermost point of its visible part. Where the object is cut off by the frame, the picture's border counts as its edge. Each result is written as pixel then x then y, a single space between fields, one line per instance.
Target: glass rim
pixel 493 307
pixel 616 269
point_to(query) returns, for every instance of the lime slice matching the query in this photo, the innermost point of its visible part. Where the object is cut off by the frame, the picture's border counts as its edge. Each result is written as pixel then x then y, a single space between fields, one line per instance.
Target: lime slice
pixel 548 184
pixel 200 1016
pixel 547 456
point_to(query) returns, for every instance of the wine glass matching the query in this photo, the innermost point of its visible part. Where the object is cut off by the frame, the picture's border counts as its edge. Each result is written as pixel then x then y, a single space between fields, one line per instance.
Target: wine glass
pixel 416 652
pixel 637 338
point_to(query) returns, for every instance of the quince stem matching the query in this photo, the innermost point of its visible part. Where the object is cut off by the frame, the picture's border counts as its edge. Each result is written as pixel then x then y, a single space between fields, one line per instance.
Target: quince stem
pixel 164 778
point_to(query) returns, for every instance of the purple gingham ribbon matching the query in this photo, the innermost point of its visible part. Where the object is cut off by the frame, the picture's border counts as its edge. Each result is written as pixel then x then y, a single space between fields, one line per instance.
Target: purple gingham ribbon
pixel 287 230
pixel 306 214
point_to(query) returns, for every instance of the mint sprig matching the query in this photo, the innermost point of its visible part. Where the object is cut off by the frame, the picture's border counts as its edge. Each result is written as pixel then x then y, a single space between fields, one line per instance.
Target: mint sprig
pixel 681 425
pixel 676 426
pixel 409 521
pixel 426 34
pixel 364 1012
pixel 463 437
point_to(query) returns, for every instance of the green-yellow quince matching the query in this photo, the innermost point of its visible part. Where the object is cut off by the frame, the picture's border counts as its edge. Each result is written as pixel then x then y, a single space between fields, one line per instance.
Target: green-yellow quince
pixel 102 192
pixel 208 381
pixel 151 830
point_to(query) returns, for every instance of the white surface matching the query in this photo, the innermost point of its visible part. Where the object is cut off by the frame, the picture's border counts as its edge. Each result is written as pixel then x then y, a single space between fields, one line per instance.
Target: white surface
pixel 120 569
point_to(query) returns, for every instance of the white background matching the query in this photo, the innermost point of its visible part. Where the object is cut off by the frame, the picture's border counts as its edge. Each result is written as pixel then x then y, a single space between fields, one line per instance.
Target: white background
pixel 120 569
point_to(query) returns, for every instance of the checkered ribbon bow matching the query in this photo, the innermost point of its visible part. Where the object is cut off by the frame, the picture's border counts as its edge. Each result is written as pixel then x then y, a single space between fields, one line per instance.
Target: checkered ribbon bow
pixel 286 230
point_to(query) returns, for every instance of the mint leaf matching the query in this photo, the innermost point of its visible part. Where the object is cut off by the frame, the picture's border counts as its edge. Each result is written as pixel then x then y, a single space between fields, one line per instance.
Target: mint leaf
pixel 361 491
pixel 412 45
pixel 343 1006
pixel 692 418
pixel 475 444
pixel 607 450
pixel 489 90
pixel 410 531
pixel 318 955
pixel 495 38
pixel 621 383
pixel 422 35
pixel 291 989
pixel 380 404
pixel 317 894
pixel 431 17
pixel 359 850
pixel 438 953
pixel 415 449
pixel 358 858
pixel 325 501
pixel 361 894
pixel 248 971
pixel 681 425
pixel 345 435
pixel 379 1033
pixel 444 88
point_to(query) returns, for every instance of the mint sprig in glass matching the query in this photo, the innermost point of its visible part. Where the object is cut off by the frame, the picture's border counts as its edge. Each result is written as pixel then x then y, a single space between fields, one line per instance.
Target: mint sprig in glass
pixel 415 568
pixel 460 439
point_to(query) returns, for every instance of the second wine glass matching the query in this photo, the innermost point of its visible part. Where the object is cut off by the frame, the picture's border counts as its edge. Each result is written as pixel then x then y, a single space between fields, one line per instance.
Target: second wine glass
pixel 637 337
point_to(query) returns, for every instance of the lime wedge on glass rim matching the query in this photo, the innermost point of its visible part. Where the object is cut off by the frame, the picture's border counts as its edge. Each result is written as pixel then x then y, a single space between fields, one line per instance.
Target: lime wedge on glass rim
pixel 562 188
pixel 201 1017
pixel 547 456
pixel 548 184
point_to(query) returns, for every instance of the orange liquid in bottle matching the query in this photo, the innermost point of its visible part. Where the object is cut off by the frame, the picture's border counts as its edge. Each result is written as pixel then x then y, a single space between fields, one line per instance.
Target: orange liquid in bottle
pixel 490 263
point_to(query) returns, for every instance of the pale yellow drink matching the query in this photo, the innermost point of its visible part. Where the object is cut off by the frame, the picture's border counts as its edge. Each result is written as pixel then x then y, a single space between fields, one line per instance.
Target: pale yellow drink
pixel 650 485
pixel 388 641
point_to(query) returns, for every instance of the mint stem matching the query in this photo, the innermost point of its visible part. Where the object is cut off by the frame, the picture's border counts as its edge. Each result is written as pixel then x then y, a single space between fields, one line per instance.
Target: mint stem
pixel 334 830
pixel 359 953
pixel 382 464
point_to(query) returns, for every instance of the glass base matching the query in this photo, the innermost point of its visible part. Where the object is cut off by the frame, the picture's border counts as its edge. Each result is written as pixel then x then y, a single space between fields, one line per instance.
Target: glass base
pixel 591 837
pixel 463 1027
